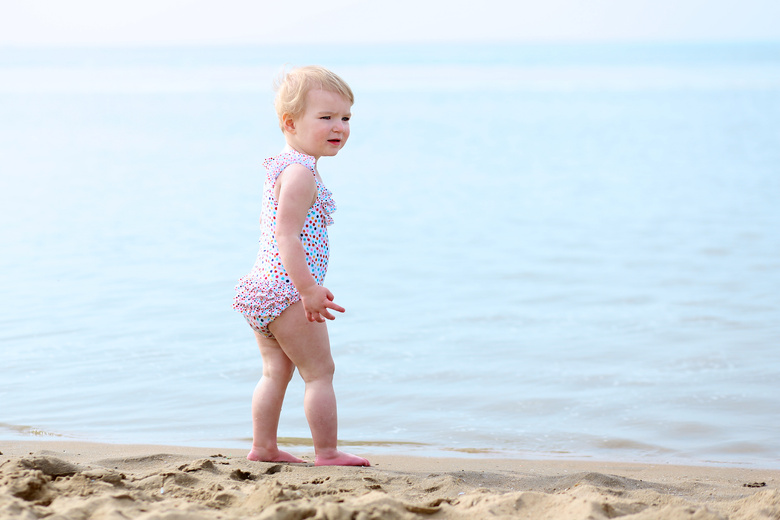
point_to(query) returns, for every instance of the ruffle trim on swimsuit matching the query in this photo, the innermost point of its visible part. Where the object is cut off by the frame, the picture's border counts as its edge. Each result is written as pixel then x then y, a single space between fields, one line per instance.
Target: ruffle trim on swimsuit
pixel 327 203
pixel 262 298
pixel 276 165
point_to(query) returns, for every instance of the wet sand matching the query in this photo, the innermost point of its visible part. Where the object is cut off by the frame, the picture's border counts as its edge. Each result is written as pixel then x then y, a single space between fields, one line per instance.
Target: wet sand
pixel 73 480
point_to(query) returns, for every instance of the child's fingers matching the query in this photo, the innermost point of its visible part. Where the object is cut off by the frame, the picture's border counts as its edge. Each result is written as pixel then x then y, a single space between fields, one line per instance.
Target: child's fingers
pixel 315 316
pixel 330 304
pixel 320 312
pixel 325 313
pixel 335 306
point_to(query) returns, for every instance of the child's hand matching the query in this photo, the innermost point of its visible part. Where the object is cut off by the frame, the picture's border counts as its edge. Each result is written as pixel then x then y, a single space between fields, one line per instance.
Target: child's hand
pixel 316 302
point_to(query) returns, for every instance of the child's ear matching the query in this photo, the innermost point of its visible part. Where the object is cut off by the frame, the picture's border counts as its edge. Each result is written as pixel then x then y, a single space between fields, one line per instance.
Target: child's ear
pixel 288 123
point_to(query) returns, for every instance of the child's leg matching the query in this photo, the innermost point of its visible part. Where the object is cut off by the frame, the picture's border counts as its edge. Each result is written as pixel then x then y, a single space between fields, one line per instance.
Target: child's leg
pixel 267 402
pixel 306 344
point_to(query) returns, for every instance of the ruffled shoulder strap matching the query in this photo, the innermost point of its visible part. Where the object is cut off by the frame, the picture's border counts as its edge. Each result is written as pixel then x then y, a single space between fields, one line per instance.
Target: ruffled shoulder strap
pixel 276 165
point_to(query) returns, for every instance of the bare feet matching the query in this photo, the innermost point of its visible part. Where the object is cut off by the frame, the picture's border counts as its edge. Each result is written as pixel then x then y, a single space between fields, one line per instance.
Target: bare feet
pixel 340 459
pixel 259 455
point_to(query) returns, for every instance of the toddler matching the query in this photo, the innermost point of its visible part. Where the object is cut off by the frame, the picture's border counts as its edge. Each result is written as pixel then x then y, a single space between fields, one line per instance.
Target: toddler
pixel 283 298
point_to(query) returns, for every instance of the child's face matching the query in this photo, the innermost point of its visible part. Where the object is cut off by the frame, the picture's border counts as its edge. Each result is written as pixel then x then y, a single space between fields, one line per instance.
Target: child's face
pixel 323 128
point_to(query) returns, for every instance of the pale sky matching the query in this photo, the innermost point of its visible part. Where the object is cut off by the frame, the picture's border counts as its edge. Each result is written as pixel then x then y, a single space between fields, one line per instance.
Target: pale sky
pixel 186 22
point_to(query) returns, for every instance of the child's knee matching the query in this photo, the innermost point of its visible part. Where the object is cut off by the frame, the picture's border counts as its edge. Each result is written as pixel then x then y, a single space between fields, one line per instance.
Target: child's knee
pixel 290 374
pixel 287 373
pixel 279 372
pixel 322 370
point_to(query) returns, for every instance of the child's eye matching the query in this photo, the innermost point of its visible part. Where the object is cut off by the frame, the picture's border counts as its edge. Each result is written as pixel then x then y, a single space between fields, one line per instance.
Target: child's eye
pixel 345 119
pixel 325 117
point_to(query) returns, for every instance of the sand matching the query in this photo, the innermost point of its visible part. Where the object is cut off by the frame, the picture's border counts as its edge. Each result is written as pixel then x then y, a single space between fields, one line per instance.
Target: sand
pixel 67 480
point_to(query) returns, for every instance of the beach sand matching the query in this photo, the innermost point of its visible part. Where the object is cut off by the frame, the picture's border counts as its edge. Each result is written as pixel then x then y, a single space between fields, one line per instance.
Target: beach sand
pixel 72 480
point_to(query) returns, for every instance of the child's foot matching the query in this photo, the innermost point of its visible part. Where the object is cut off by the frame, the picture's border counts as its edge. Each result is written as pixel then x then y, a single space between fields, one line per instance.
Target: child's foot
pixel 341 459
pixel 259 455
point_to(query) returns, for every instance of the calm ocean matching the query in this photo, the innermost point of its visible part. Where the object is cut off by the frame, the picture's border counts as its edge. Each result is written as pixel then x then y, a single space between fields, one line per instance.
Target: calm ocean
pixel 544 251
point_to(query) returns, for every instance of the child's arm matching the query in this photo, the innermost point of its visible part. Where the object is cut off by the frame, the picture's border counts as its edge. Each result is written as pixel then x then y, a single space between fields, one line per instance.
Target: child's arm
pixel 296 191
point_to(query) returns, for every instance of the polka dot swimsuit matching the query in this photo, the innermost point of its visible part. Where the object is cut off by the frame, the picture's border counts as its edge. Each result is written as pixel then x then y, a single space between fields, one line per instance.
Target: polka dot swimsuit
pixel 267 290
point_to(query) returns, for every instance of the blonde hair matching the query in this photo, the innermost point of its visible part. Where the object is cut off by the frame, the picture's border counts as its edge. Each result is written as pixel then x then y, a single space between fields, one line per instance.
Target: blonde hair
pixel 291 89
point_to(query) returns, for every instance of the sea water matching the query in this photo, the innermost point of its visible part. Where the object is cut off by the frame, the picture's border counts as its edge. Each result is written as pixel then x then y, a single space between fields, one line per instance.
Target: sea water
pixel 544 251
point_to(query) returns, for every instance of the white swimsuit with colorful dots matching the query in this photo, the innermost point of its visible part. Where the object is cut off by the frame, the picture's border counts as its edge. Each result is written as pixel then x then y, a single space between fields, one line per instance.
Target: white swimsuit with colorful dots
pixel 267 290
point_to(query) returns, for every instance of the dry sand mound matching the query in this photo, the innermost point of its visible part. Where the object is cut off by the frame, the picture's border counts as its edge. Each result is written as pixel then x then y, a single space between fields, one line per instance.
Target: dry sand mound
pixel 64 484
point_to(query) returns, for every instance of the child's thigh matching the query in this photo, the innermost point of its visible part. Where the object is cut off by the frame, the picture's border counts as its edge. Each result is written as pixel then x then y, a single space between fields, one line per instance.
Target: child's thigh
pixel 306 343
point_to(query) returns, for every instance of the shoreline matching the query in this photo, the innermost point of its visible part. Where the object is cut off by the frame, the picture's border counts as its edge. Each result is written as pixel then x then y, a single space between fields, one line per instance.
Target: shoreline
pixel 409 449
pixel 41 478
